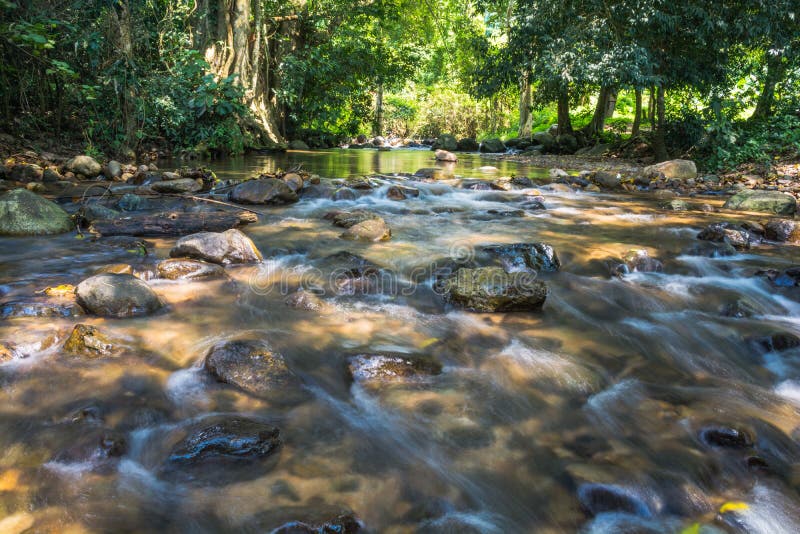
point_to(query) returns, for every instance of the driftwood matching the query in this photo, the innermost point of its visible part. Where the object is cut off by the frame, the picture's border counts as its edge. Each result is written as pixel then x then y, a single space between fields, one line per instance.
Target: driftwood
pixel 172 223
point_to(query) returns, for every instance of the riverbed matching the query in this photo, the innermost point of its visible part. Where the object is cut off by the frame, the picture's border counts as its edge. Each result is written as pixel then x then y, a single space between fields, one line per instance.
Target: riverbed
pixel 592 415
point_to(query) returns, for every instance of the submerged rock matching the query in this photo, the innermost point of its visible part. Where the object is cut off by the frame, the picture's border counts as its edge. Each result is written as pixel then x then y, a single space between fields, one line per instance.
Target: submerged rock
pixel 231 246
pixel 491 289
pixel 494 146
pixel 787 278
pixel 354 274
pixel 738 309
pixel 774 342
pixel 344 193
pixel 87 340
pixel 40 307
pixel 765 201
pixel 343 524
pixel 369 230
pixel 250 365
pixel 263 191
pixel 237 439
pixel 386 367
pixel 399 192
pixel 736 236
pixel 637 261
pixel 725 437
pixel 596 499
pixel 181 185
pixel 117 295
pixel 304 300
pixel 346 219
pixel 525 256
pixel 711 249
pixel 434 173
pixel 24 213
pixel 188 269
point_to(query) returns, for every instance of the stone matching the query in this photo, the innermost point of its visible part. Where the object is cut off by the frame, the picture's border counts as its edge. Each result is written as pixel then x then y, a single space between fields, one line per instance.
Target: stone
pixel 557 174
pixel 85 165
pixel 725 437
pixel 263 191
pixel 774 342
pixel 492 146
pixel 738 309
pixel 116 295
pixel 131 202
pixel 664 194
pixel 597 499
pixel 346 219
pixel 737 237
pixel 87 340
pixel 399 192
pixel 304 300
pixel 353 273
pixel 114 169
pixel 567 143
pixel 607 180
pixel 782 230
pixel 675 204
pixel 491 289
pixel 446 142
pixel 51 176
pixel 231 246
pixel 181 185
pixel 188 269
pixel 434 173
pixel 525 256
pixel 710 249
pixel 638 260
pixel 468 144
pixel 249 364
pixel 294 181
pixel 391 366
pixel 773 202
pixel 40 307
pixel 346 523
pixel 233 439
pixel 26 172
pixel 344 193
pixel 297 144
pixel 444 155
pixel 94 211
pixel 676 169
pixel 369 230
pixel 23 213
pixel 545 139
pixel 115 268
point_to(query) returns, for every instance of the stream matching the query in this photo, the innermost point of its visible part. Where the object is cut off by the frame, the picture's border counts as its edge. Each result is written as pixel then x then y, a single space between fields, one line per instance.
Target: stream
pixel 628 404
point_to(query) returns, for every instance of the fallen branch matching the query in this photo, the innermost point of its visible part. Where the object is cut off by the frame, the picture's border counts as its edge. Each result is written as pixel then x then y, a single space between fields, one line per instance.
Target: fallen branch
pixel 172 223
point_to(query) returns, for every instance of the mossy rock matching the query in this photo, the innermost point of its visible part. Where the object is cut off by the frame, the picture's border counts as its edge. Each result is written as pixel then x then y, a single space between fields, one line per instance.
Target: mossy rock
pixel 491 289
pixel 25 213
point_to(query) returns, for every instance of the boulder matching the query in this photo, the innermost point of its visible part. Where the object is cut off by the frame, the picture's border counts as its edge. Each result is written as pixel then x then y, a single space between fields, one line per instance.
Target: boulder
pixel 446 142
pixel 525 256
pixel 736 236
pixel 774 342
pixel 491 289
pixel 40 307
pixel 676 169
pixel 25 213
pixel 344 193
pixel 434 173
pixel 597 499
pixel 131 202
pixel 725 437
pixel 782 230
pixel 764 201
pixel 400 192
pixel 94 211
pixel 710 249
pixel 558 174
pixel 87 340
pixel 492 146
pixel 26 172
pixel 181 185
pixel 636 260
pixel 607 180
pixel 468 144
pixel 114 169
pixel 353 274
pixel 388 367
pixel 116 295
pixel 249 364
pixel 545 139
pixel 676 204
pixel 787 278
pixel 297 144
pixel 369 230
pixel 263 191
pixel 346 219
pixel 444 155
pixel 567 143
pixel 85 165
pixel 233 439
pixel 51 176
pixel 304 300
pixel 188 269
pixel 294 181
pixel 231 246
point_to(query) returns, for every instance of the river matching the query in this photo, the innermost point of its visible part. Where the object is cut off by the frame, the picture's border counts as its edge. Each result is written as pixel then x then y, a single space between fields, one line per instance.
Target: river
pixel 605 396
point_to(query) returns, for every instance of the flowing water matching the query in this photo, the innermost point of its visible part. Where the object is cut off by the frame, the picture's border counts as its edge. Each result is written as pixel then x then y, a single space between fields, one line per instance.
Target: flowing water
pixel 611 384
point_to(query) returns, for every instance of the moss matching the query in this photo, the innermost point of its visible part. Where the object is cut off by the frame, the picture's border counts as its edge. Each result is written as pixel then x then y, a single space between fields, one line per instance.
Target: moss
pixel 25 213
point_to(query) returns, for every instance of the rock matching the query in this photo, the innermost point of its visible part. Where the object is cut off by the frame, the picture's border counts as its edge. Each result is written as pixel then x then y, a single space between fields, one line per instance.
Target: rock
pixel 24 213
pixel 399 192
pixel 263 191
pixel 378 140
pixel 709 249
pixel 181 185
pixel 115 268
pixel 596 499
pixel 521 181
pixel 567 143
pixel 638 260
pixel 344 193
pixel 353 274
pixel 94 211
pixel 558 174
pixel 188 269
pixel 491 289
pixel 7 352
pixel 297 144
pixel 525 256
pixel 737 237
pixel 361 139
pixel 342 524
pixel 675 204
pixel 774 342
pixel 434 173
pixel 738 309
pixel 725 437
pixel 607 180
pixel 782 230
pixel 545 139
pixel 444 155
pixel 492 146
pixel 294 181
pixel 676 169
pixel 116 295
pixel 558 188
pixel 664 194
pixel 40 307
pixel 387 367
pixel 446 142
pixel 228 247
pixel 131 202
pixel 86 340
pixel 369 230
pixel 764 201
pixel 249 364
pixel 346 219
pixel 235 439
pixel 25 173
pixel 787 278
pixel 51 176
pixel 304 300
pixel 114 169
pixel 467 144
pixel 84 165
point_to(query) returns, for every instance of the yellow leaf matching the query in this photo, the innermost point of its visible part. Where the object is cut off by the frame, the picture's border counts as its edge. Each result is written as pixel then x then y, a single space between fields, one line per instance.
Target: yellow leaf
pixel 60 290
pixel 694 529
pixel 428 342
pixel 733 506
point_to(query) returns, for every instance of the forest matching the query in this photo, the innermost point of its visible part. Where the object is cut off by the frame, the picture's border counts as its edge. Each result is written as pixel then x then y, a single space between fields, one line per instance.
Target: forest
pixel 719 82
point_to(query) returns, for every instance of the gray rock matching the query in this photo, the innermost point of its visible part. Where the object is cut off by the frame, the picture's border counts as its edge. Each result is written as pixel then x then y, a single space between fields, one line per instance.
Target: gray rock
pixel 231 246
pixel 676 169
pixel 263 191
pixel 94 211
pixel 444 155
pixel 446 142
pixel 764 201
pixel 188 269
pixel 235 439
pixel 84 165
pixel 51 176
pixel 344 193
pixel 467 144
pixel 250 365
pixel 391 367
pixel 25 213
pixel 492 289
pixel 114 168
pixel 369 230
pixel 297 144
pixel 545 139
pixel 435 173
pixel 26 173
pixel 181 185
pixel 492 146
pixel 346 219
pixel 116 295
pixel 525 256
pixel 608 180
pixel 782 230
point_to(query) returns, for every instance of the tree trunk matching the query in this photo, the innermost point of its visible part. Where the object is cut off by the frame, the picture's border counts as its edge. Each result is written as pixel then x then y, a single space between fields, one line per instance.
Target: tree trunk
pixel 598 122
pixel 659 143
pixel 525 107
pixel 122 16
pixel 564 122
pixel 611 102
pixel 637 116
pixel 651 108
pixel 377 128
pixel 775 73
